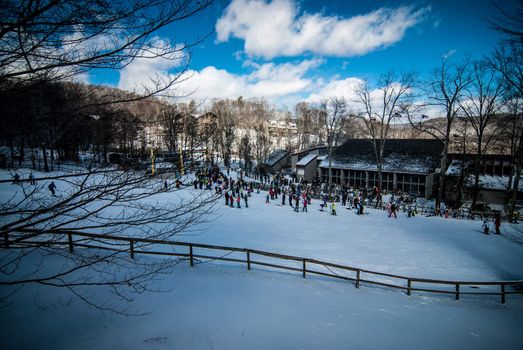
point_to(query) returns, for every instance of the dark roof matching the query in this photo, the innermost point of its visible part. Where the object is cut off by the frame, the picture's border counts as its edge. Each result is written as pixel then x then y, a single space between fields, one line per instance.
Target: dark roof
pixel 276 156
pixel 306 151
pixel 307 159
pixel 400 155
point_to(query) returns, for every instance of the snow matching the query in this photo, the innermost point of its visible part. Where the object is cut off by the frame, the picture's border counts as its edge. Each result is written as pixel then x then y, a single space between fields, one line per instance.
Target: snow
pixel 396 163
pixel 276 156
pixel 217 305
pixel 307 159
pixel 491 182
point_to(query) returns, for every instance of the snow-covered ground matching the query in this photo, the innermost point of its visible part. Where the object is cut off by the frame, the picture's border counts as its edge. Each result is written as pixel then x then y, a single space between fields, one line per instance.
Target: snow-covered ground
pixel 222 306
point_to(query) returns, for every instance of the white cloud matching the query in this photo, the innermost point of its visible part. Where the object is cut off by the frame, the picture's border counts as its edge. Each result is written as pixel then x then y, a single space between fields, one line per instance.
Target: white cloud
pixel 269 80
pixel 343 88
pixel 276 29
pixel 150 65
pixel 279 83
pixel 448 53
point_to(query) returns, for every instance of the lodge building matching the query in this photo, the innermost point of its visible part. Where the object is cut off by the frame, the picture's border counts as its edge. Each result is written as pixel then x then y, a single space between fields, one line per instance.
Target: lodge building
pixel 409 165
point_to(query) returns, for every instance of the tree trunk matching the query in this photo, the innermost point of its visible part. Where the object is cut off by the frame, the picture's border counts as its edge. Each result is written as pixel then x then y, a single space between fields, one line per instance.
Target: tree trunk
pixel 44 154
pixel 515 190
pixel 330 172
pixel 12 152
pixel 21 153
pixel 476 181
pixel 443 168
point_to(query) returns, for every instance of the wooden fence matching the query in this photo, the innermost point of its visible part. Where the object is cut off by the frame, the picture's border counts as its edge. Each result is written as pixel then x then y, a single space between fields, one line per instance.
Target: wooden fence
pixel 251 257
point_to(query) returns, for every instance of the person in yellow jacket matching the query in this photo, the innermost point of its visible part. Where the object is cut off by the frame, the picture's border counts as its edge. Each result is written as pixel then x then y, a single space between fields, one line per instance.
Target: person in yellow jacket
pixel 333 208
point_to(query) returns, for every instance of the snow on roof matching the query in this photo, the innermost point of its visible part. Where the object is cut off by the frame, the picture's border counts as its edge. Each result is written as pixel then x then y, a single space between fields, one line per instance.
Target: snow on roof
pixel 454 169
pixel 396 163
pixel 489 182
pixel 400 155
pixel 307 159
pixel 276 156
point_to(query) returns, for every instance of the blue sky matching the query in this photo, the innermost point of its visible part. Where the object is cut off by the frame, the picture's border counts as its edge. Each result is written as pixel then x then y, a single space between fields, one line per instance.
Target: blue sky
pixel 288 51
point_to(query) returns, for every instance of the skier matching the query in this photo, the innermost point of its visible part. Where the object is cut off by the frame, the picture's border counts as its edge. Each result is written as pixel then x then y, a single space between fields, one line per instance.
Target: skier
pixel 227 198
pixel 497 223
pixel 195 183
pixel 32 180
pixel 268 199
pixel 165 187
pixel 16 179
pixel 333 208
pixel 283 198
pixel 393 210
pixel 486 228
pixel 52 187
pixel 238 199
pixel 231 201
pixel 297 206
pixel 246 203
pixel 304 205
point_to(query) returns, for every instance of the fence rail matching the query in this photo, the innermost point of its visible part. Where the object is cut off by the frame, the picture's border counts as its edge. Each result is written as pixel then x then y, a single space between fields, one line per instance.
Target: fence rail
pixel 305 266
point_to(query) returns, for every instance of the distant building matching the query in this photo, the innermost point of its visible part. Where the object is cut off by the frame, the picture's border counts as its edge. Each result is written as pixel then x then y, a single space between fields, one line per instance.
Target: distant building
pixel 282 128
pixel 495 181
pixel 409 165
pixel 297 156
pixel 278 160
pixel 306 168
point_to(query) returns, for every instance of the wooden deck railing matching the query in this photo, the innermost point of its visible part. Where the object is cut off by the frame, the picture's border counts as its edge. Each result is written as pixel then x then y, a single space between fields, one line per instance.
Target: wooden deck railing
pixel 250 257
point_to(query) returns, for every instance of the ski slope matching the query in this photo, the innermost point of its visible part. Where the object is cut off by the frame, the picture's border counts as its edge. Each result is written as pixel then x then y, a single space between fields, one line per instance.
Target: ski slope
pixel 222 306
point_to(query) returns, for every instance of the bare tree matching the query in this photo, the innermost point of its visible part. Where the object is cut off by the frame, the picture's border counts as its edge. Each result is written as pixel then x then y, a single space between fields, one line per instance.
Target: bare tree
pixel 61 39
pixel 226 128
pixel 511 137
pixel 259 115
pixel 508 22
pixel 335 111
pixel 443 91
pixel 304 123
pixel 482 101
pixel 508 60
pixel 53 40
pixel 245 152
pixel 104 202
pixel 381 107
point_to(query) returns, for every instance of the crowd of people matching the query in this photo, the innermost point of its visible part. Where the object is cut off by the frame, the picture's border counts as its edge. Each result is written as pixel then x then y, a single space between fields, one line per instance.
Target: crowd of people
pixel 283 191
pixel 299 195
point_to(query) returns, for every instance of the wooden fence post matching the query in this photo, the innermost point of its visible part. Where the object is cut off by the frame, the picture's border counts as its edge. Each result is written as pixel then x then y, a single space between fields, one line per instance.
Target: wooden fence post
pixel 304 268
pixel 70 239
pixel 6 239
pixel 409 286
pixel 190 255
pixel 248 260
pixel 132 249
pixel 357 278
pixel 457 291
pixel 502 293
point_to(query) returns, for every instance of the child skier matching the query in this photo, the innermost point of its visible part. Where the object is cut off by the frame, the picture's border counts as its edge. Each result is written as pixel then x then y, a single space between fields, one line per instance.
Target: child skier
pixel 333 208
